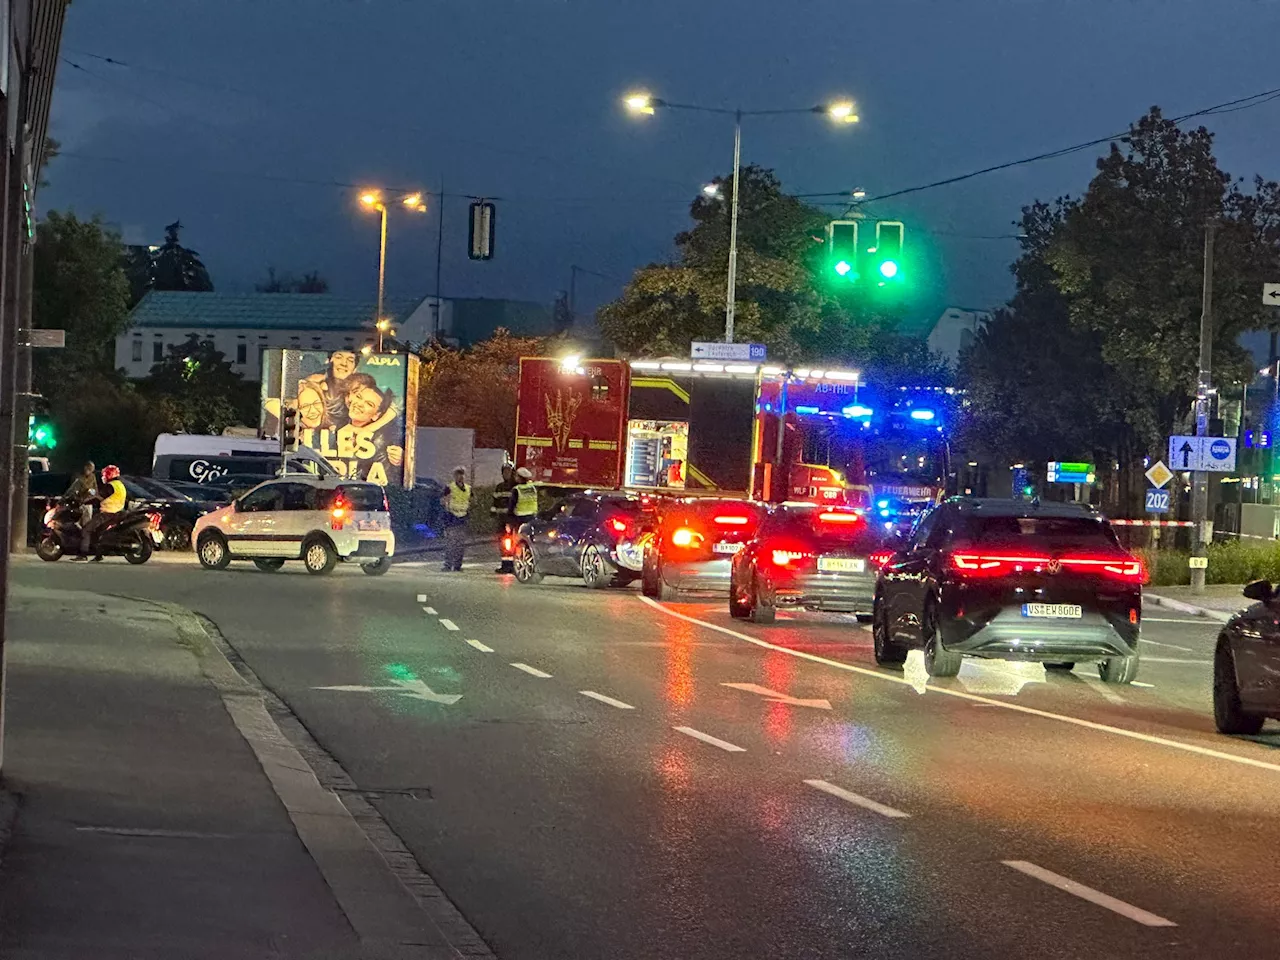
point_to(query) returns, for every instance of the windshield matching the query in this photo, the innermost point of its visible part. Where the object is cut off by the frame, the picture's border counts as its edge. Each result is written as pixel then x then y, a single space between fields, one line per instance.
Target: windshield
pixel 890 455
pixel 1046 532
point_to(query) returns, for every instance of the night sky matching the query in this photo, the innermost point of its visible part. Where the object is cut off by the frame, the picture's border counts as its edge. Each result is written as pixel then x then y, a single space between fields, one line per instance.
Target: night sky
pixel 225 105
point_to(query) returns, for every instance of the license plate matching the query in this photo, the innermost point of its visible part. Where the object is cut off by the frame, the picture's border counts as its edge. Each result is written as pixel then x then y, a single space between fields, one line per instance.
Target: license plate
pixel 1053 611
pixel 729 548
pixel 842 564
pixel 368 525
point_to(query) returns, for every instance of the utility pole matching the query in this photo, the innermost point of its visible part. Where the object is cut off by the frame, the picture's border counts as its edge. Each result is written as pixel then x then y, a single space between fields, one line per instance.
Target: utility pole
pixel 731 292
pixel 435 326
pixel 1202 529
pixel 24 401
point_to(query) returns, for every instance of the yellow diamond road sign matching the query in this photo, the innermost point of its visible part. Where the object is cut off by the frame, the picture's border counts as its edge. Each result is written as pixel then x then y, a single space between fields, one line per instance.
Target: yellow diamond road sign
pixel 1159 474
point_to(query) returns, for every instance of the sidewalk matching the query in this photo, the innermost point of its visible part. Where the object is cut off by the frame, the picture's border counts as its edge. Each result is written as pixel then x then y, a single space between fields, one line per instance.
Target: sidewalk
pixel 151 824
pixel 1218 601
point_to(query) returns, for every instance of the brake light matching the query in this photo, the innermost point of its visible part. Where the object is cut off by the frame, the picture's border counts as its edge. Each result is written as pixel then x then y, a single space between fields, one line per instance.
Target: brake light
pixel 618 525
pixel 732 521
pixel 155 519
pixel 881 557
pixel 684 537
pixel 1129 569
pixel 339 514
pixel 979 565
pixel 506 545
pixel 833 517
pixel 782 558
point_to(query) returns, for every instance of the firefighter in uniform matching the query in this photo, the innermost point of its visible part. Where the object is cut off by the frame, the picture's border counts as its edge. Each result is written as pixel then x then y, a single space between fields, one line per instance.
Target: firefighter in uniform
pixel 523 505
pixel 499 512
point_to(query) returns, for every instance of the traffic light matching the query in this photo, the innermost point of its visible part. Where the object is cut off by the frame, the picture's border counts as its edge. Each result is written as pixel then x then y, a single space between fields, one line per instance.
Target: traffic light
pixel 480 235
pixel 887 253
pixel 40 433
pixel 842 249
pixel 288 428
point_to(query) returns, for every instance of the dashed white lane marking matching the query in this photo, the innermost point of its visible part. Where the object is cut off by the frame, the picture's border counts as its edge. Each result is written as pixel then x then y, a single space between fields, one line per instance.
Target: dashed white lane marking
pixel 1199 623
pixel 422 598
pixel 1171 646
pixel 448 624
pixel 609 700
pixel 856 799
pixel 708 738
pixel 480 646
pixel 1070 886
pixel 532 671
pixel 977 698
pixel 1172 660
pixel 430 611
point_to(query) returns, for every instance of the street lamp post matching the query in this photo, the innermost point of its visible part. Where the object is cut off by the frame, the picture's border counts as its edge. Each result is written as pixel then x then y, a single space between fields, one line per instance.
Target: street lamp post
pixel 372 200
pixel 642 104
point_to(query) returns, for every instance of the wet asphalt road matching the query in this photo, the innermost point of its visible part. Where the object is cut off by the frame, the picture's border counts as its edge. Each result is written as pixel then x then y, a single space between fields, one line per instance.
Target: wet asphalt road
pixel 626 780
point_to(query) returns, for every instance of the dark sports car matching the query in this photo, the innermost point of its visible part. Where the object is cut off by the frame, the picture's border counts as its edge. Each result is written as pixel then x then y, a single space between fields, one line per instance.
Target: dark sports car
pixel 589 535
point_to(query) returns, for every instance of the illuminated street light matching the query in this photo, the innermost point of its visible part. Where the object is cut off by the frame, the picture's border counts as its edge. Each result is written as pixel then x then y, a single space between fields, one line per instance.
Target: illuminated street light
pixel 372 200
pixel 642 103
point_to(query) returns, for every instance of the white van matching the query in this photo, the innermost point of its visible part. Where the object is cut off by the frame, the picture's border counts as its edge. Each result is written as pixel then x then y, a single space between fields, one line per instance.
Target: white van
pixel 198 458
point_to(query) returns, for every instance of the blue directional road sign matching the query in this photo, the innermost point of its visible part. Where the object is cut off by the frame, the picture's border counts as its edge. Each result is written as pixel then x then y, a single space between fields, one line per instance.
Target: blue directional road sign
pixel 1214 454
pixel 1157 500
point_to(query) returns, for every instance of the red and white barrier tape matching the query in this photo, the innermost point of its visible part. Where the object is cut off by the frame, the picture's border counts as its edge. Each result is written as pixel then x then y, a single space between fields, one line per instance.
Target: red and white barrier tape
pixel 1153 523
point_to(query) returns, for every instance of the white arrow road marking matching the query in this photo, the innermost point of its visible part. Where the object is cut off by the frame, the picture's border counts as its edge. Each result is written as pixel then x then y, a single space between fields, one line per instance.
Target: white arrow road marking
pixel 1088 893
pixel 609 700
pixel 448 624
pixel 708 738
pixel 856 799
pixel 414 689
pixel 532 671
pixel 776 697
pixel 480 646
pixel 429 611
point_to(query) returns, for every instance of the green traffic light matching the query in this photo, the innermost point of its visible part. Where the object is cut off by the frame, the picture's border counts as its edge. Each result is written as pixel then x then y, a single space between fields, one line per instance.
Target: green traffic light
pixel 889 269
pixel 843 268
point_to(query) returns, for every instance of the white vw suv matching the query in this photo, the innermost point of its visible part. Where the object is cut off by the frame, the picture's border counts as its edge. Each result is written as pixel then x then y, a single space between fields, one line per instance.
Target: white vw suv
pixel 298 517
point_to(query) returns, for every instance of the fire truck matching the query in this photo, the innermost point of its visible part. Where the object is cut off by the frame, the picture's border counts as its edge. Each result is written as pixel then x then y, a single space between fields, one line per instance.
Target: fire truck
pixel 757 430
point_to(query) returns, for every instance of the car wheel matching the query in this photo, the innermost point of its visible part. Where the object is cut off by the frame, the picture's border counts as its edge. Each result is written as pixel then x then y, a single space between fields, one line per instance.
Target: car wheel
pixel 1119 669
pixel 594 568
pixel 763 608
pixel 525 564
pixel 666 592
pixel 49 549
pixel 737 609
pixel 889 652
pixel 938 660
pixel 212 551
pixel 177 535
pixel 1229 716
pixel 268 566
pixel 648 581
pixel 141 549
pixel 378 567
pixel 318 556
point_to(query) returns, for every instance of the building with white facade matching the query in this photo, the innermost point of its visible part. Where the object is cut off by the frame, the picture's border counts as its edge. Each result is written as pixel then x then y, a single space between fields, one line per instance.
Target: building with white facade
pixel 954 330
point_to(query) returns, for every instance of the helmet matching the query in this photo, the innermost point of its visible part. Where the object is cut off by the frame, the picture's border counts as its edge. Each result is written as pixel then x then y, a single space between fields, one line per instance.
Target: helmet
pixel 524 473
pixel 110 472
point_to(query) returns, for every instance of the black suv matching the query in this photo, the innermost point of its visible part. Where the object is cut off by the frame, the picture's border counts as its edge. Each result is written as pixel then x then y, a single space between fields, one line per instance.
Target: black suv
pixel 1246 663
pixel 1011 580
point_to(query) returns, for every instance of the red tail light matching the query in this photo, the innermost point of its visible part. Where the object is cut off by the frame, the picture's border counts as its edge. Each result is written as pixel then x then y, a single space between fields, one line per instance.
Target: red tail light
pixel 339 514
pixel 730 520
pixel 983 565
pixel 155 519
pixel 506 546
pixel 881 557
pixel 684 537
pixel 831 516
pixel 973 565
pixel 618 525
pixel 784 558
pixel 1129 569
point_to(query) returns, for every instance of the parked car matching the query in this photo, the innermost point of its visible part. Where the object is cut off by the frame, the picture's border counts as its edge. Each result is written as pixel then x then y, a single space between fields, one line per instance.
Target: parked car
pixel 691 547
pixel 178 512
pixel 806 556
pixel 589 535
pixel 1246 663
pixel 319 521
pixel 1011 580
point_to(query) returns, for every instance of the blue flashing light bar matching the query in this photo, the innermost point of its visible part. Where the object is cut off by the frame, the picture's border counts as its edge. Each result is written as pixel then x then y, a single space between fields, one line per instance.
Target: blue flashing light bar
pixel 857 410
pixel 807 410
pixel 922 415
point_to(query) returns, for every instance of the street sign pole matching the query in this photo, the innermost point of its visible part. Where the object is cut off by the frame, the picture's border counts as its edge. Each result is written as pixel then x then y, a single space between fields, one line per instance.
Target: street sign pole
pixel 1202 532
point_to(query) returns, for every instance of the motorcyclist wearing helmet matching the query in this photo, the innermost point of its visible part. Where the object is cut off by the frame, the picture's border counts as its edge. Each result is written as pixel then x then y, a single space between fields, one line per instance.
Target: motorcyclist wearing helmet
pixel 113 500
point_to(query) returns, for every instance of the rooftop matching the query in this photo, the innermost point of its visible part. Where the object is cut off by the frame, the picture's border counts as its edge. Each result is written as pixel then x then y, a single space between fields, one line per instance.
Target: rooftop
pixel 262 311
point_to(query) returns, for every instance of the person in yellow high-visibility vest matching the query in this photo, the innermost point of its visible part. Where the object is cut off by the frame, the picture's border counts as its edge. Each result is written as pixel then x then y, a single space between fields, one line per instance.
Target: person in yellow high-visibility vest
pixel 457 504
pixel 524 498
pixel 113 499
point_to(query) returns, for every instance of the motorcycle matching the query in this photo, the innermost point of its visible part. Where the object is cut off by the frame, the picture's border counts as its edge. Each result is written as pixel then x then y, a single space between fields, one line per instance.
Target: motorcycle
pixel 129 534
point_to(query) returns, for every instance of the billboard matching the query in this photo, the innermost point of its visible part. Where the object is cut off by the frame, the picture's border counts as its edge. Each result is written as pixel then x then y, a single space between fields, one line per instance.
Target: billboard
pixel 358 412
pixel 571 421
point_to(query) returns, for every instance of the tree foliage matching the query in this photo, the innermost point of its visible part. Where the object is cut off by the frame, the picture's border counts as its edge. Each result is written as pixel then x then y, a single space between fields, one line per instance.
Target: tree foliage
pixel 310 282
pixel 476 387
pixel 199 388
pixel 106 419
pixel 171 266
pixel 1096 355
pixel 77 286
pixel 782 297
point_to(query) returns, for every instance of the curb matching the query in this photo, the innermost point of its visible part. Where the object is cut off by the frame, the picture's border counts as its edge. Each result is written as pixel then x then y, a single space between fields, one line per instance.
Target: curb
pixel 1221 616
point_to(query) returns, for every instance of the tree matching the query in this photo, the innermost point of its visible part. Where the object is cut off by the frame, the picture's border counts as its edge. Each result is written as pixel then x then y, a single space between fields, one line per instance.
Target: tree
pixel 477 387
pixel 107 420
pixel 176 267
pixel 201 390
pixel 309 283
pixel 77 286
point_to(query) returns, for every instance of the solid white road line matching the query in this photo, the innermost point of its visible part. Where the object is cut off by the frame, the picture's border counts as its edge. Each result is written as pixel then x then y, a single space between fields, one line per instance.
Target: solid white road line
pixel 1199 623
pixel 609 700
pixel 1088 893
pixel 422 598
pixel 448 624
pixel 976 698
pixel 1172 660
pixel 532 671
pixel 708 738
pixel 480 646
pixel 1139 683
pixel 430 611
pixel 1171 646
pixel 856 799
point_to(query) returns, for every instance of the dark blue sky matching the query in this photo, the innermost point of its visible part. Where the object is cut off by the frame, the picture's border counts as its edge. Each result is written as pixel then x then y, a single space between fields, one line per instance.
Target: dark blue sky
pixel 519 99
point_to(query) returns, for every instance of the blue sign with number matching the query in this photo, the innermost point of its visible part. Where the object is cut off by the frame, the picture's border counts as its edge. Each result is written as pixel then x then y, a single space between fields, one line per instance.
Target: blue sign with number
pixel 759 352
pixel 1157 500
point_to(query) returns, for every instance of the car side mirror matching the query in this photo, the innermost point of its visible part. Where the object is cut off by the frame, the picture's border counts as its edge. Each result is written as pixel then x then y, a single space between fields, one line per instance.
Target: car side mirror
pixel 1259 590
